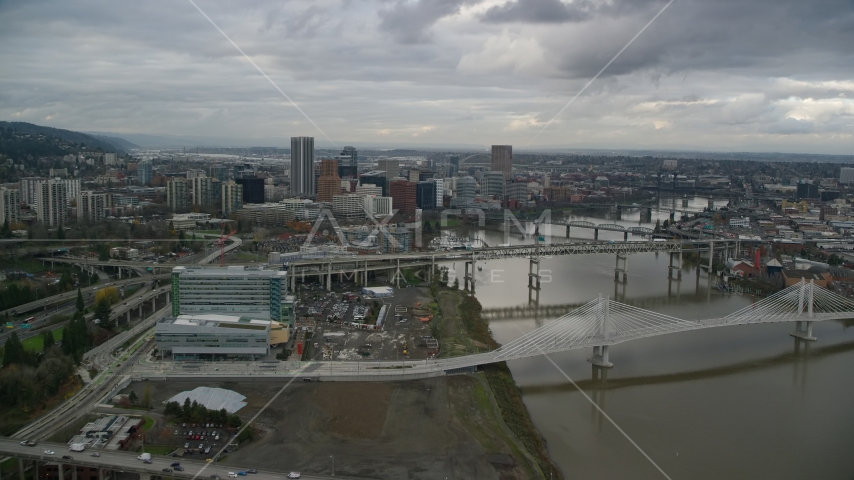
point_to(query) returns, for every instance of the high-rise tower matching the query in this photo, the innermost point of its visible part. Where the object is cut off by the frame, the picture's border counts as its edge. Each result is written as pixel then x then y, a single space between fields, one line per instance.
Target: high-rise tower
pixel 502 159
pixel 302 167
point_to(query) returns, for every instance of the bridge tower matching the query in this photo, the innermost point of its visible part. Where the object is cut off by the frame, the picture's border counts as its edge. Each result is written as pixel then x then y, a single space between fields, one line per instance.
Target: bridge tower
pixel 469 275
pixel 803 329
pixel 600 352
pixel 534 268
pixel 624 270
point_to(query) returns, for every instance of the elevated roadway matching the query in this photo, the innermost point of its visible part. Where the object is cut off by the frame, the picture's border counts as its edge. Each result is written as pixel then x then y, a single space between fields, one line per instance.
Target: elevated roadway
pixel 127 462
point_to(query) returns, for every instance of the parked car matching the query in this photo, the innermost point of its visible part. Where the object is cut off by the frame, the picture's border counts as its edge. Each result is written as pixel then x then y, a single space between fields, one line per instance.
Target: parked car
pixel 186 446
pixel 241 473
pixel 232 475
pixel 179 468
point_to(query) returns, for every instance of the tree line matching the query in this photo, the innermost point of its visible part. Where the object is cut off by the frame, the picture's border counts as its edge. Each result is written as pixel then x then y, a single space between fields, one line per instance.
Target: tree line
pixel 197 413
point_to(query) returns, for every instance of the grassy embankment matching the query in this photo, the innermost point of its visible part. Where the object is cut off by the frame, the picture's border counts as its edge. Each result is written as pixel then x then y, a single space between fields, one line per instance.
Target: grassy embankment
pixel 462 330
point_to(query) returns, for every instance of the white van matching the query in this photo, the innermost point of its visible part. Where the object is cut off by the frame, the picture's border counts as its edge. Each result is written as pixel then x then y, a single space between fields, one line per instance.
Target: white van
pixel 232 475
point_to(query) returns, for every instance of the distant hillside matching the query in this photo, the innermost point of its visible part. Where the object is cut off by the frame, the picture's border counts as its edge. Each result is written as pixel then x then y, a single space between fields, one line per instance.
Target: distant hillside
pixel 67 135
pixel 118 142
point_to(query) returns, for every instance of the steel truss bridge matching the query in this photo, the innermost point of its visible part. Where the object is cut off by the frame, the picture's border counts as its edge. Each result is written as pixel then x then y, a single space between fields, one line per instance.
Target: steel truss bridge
pixel 598 324
pixel 359 266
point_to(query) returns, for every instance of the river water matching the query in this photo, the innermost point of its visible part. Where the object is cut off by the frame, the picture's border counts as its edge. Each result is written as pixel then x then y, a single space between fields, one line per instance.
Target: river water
pixel 731 402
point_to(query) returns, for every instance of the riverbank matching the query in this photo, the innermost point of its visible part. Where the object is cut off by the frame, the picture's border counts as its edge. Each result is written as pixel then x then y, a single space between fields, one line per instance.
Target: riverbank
pixel 461 329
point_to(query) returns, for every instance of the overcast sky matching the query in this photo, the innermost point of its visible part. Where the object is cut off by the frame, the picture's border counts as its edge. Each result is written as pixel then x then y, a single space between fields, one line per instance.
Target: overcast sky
pixel 721 75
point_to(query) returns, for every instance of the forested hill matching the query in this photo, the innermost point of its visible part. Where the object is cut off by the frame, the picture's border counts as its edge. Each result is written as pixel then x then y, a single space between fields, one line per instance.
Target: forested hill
pixel 47 144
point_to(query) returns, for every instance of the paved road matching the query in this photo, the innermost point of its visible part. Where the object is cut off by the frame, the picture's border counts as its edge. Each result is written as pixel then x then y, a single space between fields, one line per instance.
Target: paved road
pixel 128 462
pixel 72 295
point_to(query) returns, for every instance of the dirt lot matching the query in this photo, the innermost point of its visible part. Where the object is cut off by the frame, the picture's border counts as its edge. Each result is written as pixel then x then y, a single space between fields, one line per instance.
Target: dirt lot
pixel 425 429
pixel 351 343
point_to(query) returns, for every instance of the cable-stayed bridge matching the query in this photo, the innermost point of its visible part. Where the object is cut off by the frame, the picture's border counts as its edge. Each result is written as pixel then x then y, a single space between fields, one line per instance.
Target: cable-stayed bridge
pixel 598 324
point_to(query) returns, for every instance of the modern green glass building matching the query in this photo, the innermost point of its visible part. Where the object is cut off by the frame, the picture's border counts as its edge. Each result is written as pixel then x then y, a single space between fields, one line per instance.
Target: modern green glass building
pixel 234 290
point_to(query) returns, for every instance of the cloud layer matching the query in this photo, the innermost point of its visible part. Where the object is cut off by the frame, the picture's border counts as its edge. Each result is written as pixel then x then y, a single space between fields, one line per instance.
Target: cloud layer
pixel 722 75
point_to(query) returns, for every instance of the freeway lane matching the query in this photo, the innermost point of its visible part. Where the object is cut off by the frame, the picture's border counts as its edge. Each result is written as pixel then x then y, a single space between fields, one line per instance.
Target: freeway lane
pixel 72 295
pixel 128 462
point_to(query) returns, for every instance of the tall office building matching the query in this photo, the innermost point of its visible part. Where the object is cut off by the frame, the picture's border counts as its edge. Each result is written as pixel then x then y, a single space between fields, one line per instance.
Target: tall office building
pixel 202 191
pixel 91 205
pixel 502 159
pixel 348 163
pixel 219 172
pixel 403 195
pixel 232 290
pixel 391 169
pixel 145 172
pixel 302 167
pixel 425 195
pixel 10 206
pixel 453 165
pixel 253 189
pixel 52 203
pixel 375 178
pixel 110 159
pixel 176 194
pixel 492 184
pixel 846 175
pixel 232 197
pixel 440 190
pixel 329 183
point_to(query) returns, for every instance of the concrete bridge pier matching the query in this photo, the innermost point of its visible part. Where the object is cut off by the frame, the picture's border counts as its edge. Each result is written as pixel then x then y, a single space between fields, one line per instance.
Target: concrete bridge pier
pixel 140 310
pixel 624 270
pixel 329 277
pixel 534 280
pixel 22 467
pixel 675 268
pixel 567 231
pixel 619 212
pixel 672 216
pixel 595 234
pixel 600 357
pixel 803 331
pixel 625 236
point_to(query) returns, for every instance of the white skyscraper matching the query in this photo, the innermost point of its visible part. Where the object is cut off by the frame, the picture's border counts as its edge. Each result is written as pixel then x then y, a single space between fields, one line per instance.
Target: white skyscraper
pixel 302 167
pixel 52 203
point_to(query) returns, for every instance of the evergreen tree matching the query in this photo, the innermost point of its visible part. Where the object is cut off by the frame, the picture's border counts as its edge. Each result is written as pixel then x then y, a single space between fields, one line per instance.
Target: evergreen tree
pixel 13 351
pixel 80 304
pixel 49 341
pixel 102 313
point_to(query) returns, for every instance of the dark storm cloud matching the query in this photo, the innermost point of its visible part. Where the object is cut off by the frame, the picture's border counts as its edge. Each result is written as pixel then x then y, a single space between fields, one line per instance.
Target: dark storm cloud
pixel 760 35
pixel 409 22
pixel 539 11
pixel 705 74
